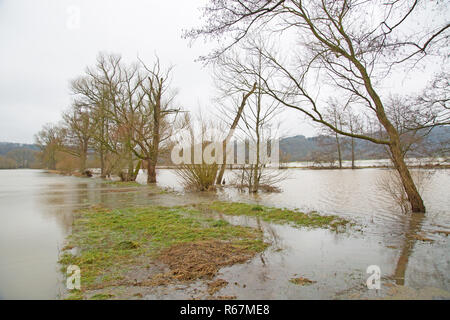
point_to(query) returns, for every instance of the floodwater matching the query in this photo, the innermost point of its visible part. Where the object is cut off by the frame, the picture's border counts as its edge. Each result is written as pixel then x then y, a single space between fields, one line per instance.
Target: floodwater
pixel 36 215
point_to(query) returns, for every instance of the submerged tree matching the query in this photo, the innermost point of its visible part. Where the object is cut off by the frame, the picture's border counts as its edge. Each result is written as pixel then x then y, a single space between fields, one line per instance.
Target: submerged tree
pixel 253 116
pixel 130 107
pixel 106 91
pixel 351 46
pixel 78 134
pixel 49 141
pixel 156 116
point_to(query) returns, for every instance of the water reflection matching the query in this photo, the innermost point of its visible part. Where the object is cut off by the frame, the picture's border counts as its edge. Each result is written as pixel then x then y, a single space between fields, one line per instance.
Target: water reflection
pixel 37 211
pixel 36 215
pixel 415 225
pixel 390 237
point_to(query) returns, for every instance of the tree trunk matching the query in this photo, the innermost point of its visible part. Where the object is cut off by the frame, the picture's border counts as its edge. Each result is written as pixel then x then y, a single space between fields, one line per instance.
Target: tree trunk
pixel 83 158
pixel 339 151
pixel 353 153
pixel 230 133
pixel 102 163
pixel 52 165
pixel 414 197
pixel 129 175
pixel 52 160
pixel 151 171
pixel 258 142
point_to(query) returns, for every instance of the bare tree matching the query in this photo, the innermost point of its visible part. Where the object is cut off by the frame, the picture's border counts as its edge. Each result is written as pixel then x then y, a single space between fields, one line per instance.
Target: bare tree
pixel 111 92
pixel 326 151
pixel 334 114
pixel 49 140
pixel 354 123
pixel 131 108
pixel 236 75
pixel 352 44
pixel 155 116
pixel 233 126
pixel 78 137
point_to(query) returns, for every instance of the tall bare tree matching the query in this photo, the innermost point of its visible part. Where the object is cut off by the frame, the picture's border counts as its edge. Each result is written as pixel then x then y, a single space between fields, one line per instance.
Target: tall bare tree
pixel 79 128
pixel 111 92
pixel 155 117
pixel 352 44
pixel 49 140
pixel 237 74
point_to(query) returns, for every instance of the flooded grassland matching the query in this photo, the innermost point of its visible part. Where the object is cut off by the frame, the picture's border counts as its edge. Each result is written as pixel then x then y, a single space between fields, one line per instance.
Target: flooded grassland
pixel 315 239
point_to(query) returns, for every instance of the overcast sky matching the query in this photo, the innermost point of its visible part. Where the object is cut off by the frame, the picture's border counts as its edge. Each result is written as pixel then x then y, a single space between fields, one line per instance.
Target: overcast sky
pixel 43 47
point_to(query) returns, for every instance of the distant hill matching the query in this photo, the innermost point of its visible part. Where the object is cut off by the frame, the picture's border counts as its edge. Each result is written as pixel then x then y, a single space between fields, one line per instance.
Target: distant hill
pixel 301 148
pixel 5 147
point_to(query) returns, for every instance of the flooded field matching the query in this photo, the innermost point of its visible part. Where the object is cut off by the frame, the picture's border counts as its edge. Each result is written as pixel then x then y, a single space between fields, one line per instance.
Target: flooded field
pixel 413 252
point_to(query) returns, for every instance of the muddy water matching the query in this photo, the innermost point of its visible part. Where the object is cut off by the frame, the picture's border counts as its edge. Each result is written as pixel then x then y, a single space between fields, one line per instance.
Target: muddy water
pixel 36 215
pixel 338 262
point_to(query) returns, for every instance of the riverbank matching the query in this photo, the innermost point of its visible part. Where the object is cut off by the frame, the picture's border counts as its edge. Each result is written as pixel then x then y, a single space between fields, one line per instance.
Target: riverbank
pixel 127 253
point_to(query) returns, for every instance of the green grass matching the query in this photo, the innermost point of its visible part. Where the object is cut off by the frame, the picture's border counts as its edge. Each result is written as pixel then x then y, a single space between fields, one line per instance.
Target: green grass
pixel 278 215
pixel 113 241
pixel 75 295
pixel 102 296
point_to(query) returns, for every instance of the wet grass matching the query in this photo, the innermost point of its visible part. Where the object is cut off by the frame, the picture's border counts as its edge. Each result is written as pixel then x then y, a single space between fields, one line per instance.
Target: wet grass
pixel 279 215
pixel 112 241
pixel 102 296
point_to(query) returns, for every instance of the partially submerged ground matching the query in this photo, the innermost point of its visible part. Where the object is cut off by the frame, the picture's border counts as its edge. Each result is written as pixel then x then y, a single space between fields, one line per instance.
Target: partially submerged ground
pixel 125 253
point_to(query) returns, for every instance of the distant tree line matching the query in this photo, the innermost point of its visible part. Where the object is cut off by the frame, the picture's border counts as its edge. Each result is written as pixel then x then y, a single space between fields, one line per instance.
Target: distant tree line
pixel 18 156
pixel 324 148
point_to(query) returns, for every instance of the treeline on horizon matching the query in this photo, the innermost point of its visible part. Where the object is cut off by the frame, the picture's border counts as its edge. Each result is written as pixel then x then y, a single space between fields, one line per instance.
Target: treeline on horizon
pixel 19 156
pixel 319 149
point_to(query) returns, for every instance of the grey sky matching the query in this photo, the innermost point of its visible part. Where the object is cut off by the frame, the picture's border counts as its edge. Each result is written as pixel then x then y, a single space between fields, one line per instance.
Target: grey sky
pixel 42 49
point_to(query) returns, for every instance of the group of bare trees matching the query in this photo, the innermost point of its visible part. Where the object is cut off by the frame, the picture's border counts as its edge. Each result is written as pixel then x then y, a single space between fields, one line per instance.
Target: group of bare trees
pixel 251 114
pixel 121 114
pixel 349 50
pixel 332 150
pixel 247 118
pixel 341 60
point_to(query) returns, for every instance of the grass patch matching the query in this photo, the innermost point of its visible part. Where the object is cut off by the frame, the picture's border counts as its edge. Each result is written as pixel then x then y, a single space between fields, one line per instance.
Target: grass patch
pixel 279 215
pixel 111 242
pixel 75 295
pixel 102 296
